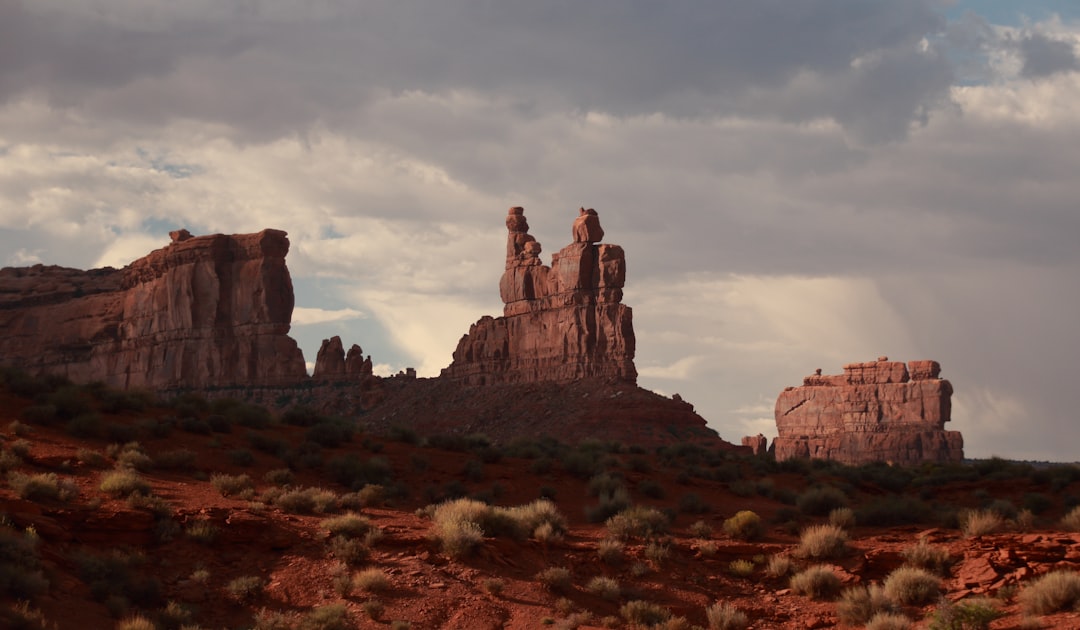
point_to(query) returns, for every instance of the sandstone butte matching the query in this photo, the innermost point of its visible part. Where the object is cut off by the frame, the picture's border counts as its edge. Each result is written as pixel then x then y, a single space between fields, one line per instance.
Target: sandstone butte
pixel 211 314
pixel 876 411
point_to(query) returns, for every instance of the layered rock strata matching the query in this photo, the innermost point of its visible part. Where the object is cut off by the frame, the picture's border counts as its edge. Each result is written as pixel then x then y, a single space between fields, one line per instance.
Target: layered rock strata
pixel 877 411
pixel 203 312
pixel 560 323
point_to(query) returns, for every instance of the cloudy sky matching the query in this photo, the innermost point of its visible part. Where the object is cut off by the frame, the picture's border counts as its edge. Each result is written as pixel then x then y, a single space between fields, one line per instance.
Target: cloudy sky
pixel 797 184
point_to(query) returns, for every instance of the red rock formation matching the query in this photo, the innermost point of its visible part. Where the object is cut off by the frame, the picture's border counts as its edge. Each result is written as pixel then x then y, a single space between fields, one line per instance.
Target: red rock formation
pixel 332 363
pixel 559 323
pixel 202 312
pixel 758 444
pixel 876 411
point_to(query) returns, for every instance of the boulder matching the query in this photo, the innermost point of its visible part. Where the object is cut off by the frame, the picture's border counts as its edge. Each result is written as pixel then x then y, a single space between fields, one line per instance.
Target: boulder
pixel 876 411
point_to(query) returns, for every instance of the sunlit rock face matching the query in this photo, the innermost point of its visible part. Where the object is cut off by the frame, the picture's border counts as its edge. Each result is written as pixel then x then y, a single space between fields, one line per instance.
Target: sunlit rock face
pixel 561 322
pixel 202 312
pixel 877 411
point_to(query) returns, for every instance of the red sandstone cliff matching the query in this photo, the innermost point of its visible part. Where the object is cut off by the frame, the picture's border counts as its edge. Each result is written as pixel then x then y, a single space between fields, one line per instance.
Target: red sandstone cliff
pixel 877 411
pixel 559 323
pixel 202 312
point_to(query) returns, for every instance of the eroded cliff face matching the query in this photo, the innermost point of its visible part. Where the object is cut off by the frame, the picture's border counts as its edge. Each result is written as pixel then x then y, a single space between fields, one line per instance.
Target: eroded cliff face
pixel 877 411
pixel 560 323
pixel 202 312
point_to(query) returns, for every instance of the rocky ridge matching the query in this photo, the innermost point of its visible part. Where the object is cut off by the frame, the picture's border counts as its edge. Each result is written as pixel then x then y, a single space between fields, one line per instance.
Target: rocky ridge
pixel 875 411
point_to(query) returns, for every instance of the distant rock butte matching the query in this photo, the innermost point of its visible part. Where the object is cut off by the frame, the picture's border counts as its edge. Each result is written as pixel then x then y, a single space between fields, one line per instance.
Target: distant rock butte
pixel 202 312
pixel 560 323
pixel 877 411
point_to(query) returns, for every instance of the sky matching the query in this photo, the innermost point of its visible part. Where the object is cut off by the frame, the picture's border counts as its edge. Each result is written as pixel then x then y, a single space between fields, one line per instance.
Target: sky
pixel 797 185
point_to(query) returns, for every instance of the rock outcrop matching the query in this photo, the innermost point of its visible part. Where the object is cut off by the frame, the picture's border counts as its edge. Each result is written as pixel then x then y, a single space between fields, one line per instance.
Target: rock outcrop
pixel 333 364
pixel 877 411
pixel 203 312
pixel 560 323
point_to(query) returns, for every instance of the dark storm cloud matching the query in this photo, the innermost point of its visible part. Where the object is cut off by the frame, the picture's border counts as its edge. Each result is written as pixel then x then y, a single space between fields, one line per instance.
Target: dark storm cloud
pixel 1044 56
pixel 274 73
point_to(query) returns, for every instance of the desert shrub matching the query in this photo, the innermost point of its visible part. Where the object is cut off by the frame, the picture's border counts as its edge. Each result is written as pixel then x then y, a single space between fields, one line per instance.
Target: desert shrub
pixel 888 621
pixel 969 614
pixel 9 460
pixel 859 604
pixel 609 504
pixel 531 516
pixel 241 457
pixel 555 579
pixel 1037 502
pixel 604 587
pixel 177 459
pixel 892 510
pixel 822 541
pixel 494 586
pixel 923 555
pixel 1003 508
pixel 84 425
pixel 229 485
pixel 355 473
pixel 821 500
pixel 349 525
pixel 604 483
pixel 651 489
pixel 458 536
pixel 328 617
pixel 42 487
pixel 1024 520
pixel 372 580
pixel 130 456
pixel 301 416
pixel 307 501
pixel 174 616
pixel 279 477
pixel 637 521
pixel 701 529
pixel 114 576
pixel 547 534
pixel 246 588
pixel 330 433
pixel 20 567
pixel 1055 591
pixel 644 613
pixel 741 568
pixel 202 531
pixel 657 552
pixel 351 551
pixel 980 522
pixel 610 550
pixel 138 622
pixel 726 617
pixel 778 566
pixel 371 495
pixel 745 525
pixel 912 586
pixel 818 582
pixel 192 424
pixel 843 518
pixel 123 483
pixel 373 608
pixel 692 503
pixel 1071 521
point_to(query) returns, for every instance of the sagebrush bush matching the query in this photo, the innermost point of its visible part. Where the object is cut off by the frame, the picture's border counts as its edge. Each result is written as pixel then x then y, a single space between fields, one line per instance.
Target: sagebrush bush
pixel 741 568
pixel 604 587
pixel 929 557
pixel 1071 521
pixel 745 525
pixel 822 541
pixel 644 613
pixel 20 567
pixel 42 487
pixel 307 501
pixel 888 621
pixel 859 604
pixel 372 580
pixel 912 586
pixel 610 550
pixel 843 517
pixel 279 477
pixel 328 617
pixel 178 459
pixel 637 521
pixel 701 529
pixel 980 522
pixel 246 588
pixel 818 582
pixel 123 483
pixel 494 586
pixel 657 552
pixel 1057 590
pixel 349 525
pixel 351 551
pixel 726 617
pixel 555 579
pixel 137 622
pixel 778 566
pixel 229 485
pixel 202 531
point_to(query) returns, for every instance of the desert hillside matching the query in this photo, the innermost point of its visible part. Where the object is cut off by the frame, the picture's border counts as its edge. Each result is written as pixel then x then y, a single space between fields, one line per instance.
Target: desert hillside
pixel 122 511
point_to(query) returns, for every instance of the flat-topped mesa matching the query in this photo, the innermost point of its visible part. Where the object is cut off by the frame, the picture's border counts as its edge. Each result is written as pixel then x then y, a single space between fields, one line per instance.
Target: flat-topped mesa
pixel 559 323
pixel 202 312
pixel 876 411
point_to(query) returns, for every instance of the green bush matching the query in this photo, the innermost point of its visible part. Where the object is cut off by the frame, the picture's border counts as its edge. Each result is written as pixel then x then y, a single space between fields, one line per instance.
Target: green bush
pixel 821 500
pixel 1053 592
pixel 113 577
pixel 818 582
pixel 969 614
pixel 745 525
pixel 912 586
pixel 330 433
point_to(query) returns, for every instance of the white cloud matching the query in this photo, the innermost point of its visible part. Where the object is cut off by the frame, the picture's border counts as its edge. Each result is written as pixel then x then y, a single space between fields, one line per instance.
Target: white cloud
pixel 127 248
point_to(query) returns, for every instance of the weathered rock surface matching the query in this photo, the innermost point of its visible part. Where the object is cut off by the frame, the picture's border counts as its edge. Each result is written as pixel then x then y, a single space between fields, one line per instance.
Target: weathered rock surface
pixel 202 312
pixel 877 411
pixel 559 323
